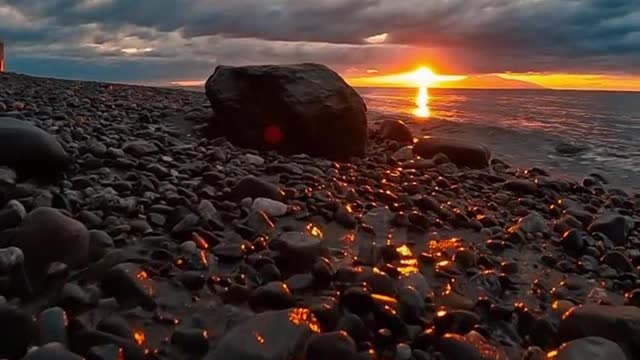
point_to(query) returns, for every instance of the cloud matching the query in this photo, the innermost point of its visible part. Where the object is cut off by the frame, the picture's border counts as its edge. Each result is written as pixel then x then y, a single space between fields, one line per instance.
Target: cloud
pixel 463 36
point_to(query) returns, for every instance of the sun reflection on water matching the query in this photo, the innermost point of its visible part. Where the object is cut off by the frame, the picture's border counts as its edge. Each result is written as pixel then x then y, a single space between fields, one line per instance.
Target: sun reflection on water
pixel 422 102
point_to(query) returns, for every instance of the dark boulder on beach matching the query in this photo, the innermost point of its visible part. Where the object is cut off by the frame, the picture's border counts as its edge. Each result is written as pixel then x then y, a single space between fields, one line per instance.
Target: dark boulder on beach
pixel 461 153
pixel 304 108
pixel 30 150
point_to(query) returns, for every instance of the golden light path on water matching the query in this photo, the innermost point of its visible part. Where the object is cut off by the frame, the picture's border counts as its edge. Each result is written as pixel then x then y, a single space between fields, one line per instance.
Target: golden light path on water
pixel 422 103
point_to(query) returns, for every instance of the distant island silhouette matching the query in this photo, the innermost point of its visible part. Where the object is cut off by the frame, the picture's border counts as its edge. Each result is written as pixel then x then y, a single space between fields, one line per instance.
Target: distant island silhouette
pixel 489 82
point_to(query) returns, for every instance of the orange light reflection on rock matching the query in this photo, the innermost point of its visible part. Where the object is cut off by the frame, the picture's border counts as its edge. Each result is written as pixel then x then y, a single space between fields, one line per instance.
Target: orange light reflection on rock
pixel 314 231
pixel 259 338
pixel 202 243
pixel 138 335
pixel 301 317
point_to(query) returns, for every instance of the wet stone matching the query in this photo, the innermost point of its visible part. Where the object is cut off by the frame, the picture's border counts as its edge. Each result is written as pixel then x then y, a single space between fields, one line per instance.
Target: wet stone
pixel 129 284
pixel 52 351
pixel 18 330
pixel 52 326
pixel 620 324
pixel 618 261
pixel 592 348
pixel 269 207
pixel 253 187
pixel 270 335
pixel 615 227
pixel 191 340
pixel 272 296
pixel 331 346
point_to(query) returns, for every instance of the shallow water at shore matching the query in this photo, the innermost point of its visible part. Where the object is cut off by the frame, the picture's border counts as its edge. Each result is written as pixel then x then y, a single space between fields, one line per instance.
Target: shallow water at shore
pixel 570 133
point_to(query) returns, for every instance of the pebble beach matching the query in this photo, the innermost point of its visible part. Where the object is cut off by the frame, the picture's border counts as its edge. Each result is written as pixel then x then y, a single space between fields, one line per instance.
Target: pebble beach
pixel 156 240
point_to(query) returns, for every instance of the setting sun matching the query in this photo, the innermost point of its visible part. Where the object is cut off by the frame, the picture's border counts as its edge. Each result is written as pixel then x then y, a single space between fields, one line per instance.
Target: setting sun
pixel 423 76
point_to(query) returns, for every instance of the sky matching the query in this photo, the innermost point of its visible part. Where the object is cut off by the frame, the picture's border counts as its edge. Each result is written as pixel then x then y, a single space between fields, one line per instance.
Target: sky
pixel 565 44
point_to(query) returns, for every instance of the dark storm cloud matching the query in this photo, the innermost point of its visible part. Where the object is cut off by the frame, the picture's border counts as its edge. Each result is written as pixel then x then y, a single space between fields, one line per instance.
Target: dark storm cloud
pixel 478 35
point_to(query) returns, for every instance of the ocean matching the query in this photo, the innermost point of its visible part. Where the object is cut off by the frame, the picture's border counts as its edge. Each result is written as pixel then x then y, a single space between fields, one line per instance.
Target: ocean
pixel 568 133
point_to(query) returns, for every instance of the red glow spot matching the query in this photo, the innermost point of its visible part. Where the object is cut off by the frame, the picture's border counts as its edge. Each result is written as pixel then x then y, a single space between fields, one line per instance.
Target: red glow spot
pixel 273 135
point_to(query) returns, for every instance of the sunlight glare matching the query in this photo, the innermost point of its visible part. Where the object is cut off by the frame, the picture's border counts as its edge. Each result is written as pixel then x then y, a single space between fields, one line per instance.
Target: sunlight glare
pixel 422 101
pixel 423 76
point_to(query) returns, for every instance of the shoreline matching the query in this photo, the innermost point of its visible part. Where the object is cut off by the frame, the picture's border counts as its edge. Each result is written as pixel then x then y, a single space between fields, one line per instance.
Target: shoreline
pixel 400 253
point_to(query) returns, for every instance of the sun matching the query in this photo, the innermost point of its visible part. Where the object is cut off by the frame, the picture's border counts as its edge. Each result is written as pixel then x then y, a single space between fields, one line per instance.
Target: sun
pixel 423 76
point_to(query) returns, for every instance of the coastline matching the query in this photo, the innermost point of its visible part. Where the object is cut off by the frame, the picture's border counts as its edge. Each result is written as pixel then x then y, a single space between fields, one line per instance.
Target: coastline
pixel 412 237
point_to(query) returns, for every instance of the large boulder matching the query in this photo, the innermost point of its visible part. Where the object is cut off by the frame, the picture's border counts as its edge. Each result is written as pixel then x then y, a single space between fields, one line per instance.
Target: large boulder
pixel 46 236
pixel 461 153
pixel 272 335
pixel 592 348
pixel 620 324
pixel 29 150
pixel 304 108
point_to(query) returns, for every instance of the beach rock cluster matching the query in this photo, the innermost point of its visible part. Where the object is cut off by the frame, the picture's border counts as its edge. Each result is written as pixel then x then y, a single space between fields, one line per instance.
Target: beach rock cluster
pixel 156 242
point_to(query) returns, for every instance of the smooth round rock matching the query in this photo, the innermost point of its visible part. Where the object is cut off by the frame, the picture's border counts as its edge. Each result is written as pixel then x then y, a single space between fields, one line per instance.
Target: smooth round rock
pixel 268 335
pixel 592 348
pixel 461 153
pixel 52 351
pixel 395 130
pixel 47 236
pixel 30 150
pixel 253 187
pixel 331 346
pixel 18 330
pixel 269 207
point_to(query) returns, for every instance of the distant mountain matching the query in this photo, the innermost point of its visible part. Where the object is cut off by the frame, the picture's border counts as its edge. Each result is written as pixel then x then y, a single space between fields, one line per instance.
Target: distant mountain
pixel 489 82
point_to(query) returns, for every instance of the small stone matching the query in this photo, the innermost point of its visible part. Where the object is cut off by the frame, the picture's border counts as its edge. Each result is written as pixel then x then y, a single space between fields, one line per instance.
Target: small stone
pixel 345 217
pixel 193 280
pixel 52 326
pixel 9 258
pixel 99 244
pixel 12 215
pixel 532 223
pixel 404 154
pixel 272 296
pixel 47 236
pixel 616 227
pixel 521 186
pixel 189 247
pixel 618 261
pixel 140 148
pixel 331 346
pixel 16 333
pixel 190 340
pixel 105 352
pixel 298 250
pixel 52 351
pixel 253 187
pixel 395 130
pixel 130 285
pixel 253 159
pixel 355 327
pixel 573 241
pixel 403 352
pixel 268 335
pixel 269 207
